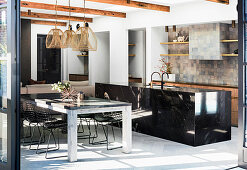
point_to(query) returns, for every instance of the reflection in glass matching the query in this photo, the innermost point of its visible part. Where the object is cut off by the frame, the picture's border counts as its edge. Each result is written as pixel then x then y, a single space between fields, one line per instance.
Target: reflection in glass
pixel 211 102
pixel 3 84
pixel 3 2
pixel 245 84
pixel 198 105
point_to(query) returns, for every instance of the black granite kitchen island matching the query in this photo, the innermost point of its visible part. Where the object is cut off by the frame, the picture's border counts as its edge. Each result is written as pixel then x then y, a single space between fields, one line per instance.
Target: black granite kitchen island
pixel 186 115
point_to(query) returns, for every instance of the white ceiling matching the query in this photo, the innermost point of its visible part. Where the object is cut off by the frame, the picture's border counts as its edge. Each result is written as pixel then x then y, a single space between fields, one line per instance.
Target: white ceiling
pixel 102 6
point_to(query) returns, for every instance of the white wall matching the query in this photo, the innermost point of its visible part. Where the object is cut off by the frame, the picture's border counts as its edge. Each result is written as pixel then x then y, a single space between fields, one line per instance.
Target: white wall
pixel 118 46
pixel 191 13
pixel 158 35
pixel 99 61
pixel 136 63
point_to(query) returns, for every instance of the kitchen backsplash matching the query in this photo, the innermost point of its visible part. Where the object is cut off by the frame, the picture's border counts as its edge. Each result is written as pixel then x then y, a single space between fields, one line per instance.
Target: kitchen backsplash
pixel 220 72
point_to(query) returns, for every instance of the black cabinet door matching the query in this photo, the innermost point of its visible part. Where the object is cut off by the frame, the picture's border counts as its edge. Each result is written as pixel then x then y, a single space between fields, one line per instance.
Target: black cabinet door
pixel 48 62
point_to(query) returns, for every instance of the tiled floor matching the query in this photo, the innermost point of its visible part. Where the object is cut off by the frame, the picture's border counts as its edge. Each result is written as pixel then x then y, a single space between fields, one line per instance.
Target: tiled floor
pixel 148 153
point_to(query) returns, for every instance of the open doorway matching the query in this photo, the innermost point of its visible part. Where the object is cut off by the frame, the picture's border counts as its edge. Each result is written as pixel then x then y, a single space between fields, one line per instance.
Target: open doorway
pixel 48 62
pixel 137 56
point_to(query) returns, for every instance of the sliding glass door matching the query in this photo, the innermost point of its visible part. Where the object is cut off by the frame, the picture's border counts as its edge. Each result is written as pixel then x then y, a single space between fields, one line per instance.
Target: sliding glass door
pixel 9 57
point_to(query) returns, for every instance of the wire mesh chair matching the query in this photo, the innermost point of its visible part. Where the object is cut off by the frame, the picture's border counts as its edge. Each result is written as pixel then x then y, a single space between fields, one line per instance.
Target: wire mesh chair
pixel 105 119
pixel 86 118
pixel 23 126
pixel 49 124
pixel 28 114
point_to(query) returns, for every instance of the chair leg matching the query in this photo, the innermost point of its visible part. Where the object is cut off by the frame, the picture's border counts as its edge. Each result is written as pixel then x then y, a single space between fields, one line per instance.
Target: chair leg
pixel 96 132
pixel 80 125
pixel 26 136
pixel 48 143
pixel 31 142
pixel 113 134
pixel 39 142
pixel 107 141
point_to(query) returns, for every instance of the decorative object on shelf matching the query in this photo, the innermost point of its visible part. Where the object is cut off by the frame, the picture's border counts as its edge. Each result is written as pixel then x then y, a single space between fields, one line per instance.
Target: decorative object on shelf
pixel 85 37
pixel 175 40
pixel 236 51
pixel 54 37
pixel 69 38
pixel 181 39
pixel 174 28
pixel 233 24
pixel 83 53
pixel 186 39
pixel 166 28
pixel 66 91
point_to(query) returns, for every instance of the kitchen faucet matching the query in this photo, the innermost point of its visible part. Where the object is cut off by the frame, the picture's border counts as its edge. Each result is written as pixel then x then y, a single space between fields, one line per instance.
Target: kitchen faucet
pixel 162 80
pixel 151 84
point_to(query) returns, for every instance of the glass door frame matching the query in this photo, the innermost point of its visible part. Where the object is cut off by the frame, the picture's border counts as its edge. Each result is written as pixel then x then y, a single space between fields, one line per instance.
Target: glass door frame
pixel 13 100
pixel 242 83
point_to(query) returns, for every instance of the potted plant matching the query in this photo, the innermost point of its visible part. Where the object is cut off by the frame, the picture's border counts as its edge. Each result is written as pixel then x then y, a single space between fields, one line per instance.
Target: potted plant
pixel 167 68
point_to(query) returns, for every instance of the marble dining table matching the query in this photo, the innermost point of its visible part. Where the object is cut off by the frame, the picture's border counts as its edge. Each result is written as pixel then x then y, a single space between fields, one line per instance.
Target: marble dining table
pixel 89 105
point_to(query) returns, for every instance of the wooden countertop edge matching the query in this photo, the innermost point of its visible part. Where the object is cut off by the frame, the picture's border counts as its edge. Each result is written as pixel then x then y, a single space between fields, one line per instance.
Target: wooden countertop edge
pixel 209 85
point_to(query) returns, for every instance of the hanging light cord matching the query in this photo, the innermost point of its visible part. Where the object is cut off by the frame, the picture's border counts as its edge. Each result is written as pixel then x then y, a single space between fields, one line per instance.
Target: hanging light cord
pixel 56 15
pixel 69 13
pixel 84 11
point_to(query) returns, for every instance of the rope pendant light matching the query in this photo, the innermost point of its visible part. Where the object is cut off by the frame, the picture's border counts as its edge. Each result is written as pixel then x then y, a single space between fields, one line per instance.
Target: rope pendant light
pixel 86 38
pixel 54 37
pixel 69 38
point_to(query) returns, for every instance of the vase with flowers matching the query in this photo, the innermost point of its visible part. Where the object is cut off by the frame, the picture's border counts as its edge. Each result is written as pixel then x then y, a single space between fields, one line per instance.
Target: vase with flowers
pixel 67 92
pixel 165 66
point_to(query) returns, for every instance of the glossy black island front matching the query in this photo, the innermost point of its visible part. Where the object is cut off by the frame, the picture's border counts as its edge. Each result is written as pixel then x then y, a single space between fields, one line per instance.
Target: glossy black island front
pixel 186 115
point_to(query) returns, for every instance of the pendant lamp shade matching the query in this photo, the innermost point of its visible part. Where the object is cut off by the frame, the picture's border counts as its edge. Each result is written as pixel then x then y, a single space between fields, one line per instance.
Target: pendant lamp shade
pixel 54 37
pixel 69 39
pixel 86 38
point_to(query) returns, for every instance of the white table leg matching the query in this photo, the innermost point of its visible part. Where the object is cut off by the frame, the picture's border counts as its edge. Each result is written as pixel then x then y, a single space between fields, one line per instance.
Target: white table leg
pixel 127 129
pixel 72 136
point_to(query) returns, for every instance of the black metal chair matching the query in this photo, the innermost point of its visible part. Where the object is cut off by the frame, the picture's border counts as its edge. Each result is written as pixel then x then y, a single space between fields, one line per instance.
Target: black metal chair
pixel 86 118
pixel 105 119
pixel 28 113
pixel 23 118
pixel 50 124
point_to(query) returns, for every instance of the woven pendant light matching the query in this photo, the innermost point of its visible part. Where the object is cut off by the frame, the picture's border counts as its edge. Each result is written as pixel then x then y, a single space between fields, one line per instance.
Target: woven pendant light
pixel 54 37
pixel 86 38
pixel 69 38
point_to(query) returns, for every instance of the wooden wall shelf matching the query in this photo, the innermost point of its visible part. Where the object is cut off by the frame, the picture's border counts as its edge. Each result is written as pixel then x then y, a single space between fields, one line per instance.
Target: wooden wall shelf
pixel 230 55
pixel 132 55
pixel 82 55
pixel 171 55
pixel 228 41
pixel 169 43
pixel 132 45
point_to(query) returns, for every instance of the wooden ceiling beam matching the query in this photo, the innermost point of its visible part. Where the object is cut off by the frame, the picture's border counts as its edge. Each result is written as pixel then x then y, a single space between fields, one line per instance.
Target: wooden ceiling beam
pixel 135 4
pixel 41 22
pixel 36 5
pixel 220 1
pixel 52 16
